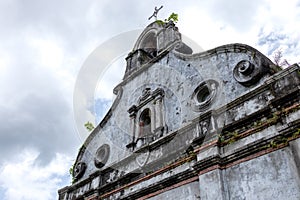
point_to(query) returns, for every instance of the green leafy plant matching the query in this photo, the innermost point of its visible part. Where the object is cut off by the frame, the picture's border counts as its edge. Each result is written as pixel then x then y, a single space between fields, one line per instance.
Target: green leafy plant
pixel 296 134
pixel 221 138
pixel 173 17
pixel 160 22
pixel 89 126
pixel 71 171
pixel 273 144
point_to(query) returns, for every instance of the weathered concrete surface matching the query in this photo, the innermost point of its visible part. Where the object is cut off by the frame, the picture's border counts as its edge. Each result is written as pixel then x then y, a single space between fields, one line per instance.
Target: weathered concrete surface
pixel 273 176
pixel 224 113
pixel 210 188
pixel 295 148
pixel 187 192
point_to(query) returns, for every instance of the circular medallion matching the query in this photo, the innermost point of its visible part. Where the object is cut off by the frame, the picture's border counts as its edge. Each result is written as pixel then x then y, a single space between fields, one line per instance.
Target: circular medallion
pixel 102 155
pixel 204 94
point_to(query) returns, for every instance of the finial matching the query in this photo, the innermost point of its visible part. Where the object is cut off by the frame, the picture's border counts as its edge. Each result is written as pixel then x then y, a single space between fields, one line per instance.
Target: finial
pixel 155 13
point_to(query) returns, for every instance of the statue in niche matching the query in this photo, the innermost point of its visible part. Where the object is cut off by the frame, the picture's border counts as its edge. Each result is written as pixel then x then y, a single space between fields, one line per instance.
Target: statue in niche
pixel 145 134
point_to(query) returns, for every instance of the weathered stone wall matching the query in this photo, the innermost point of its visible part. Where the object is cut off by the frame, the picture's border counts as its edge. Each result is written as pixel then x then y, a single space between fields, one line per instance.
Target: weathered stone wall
pixel 179 76
pixel 221 124
pixel 188 192
pixel 251 155
pixel 272 176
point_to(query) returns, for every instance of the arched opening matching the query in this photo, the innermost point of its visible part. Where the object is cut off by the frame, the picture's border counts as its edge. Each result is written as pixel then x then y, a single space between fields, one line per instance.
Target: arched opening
pixel 145 123
pixel 149 44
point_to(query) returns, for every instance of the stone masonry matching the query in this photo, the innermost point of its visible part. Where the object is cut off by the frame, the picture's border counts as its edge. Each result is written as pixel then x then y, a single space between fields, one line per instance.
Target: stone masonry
pixel 221 124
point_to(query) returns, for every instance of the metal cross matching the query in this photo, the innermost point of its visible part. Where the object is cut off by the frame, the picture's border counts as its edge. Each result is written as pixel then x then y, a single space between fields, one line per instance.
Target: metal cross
pixel 155 12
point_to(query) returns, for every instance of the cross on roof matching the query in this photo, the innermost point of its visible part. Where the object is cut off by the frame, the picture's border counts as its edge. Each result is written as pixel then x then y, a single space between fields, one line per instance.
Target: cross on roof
pixel 155 12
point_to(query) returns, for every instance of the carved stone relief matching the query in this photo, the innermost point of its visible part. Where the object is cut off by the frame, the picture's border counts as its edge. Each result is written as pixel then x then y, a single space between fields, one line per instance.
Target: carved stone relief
pixel 114 175
pixel 145 94
pixel 203 127
pixel 142 158
pixel 79 170
pixel 247 73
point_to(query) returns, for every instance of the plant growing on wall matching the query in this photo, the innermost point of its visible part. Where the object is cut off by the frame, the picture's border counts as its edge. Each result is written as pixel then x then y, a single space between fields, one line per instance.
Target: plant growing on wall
pixel 71 170
pixel 89 126
pixel 173 17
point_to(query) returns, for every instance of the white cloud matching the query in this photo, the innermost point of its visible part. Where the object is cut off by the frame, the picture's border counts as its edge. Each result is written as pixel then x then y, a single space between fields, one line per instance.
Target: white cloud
pixel 208 32
pixel 279 29
pixel 23 179
pixel 36 98
pixel 50 54
pixel 110 78
pixel 44 44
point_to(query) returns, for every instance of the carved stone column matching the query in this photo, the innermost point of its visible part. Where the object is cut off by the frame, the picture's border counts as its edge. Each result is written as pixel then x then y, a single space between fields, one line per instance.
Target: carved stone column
pixel 132 115
pixel 133 125
pixel 158 110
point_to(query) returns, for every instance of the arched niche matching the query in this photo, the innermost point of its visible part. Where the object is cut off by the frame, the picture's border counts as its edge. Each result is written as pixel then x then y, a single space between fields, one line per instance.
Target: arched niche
pixel 147 118
pixel 145 123
pixel 149 43
pixel 145 127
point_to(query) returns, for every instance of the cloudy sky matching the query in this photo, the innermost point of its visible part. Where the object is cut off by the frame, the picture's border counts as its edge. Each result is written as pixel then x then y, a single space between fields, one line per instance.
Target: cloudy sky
pixel 44 45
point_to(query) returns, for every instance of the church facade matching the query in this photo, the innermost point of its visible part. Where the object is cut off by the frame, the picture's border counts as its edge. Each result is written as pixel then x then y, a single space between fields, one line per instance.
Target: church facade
pixel 220 124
